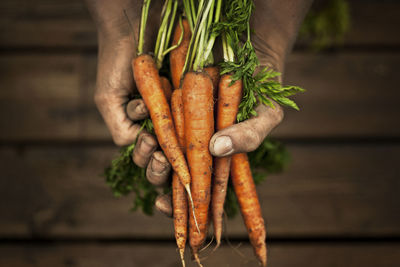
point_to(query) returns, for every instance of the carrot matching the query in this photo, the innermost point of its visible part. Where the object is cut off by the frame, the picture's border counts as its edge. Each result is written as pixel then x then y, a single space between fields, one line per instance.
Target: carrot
pixel 250 208
pixel 166 86
pixel 149 85
pixel 179 201
pixel 199 127
pixel 177 62
pixel 180 213
pixel 229 97
pixel 213 71
pixel 178 55
pixel 177 113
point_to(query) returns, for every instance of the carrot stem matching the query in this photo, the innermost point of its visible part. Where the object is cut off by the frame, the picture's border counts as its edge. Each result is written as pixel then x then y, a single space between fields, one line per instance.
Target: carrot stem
pixel 143 21
pixel 188 14
pixel 180 38
pixel 200 50
pixel 171 23
pixel 165 30
pixel 193 11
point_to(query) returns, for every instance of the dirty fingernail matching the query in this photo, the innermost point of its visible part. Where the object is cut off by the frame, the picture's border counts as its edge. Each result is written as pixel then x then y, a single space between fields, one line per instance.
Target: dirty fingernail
pixel 223 145
pixel 157 166
pixel 163 204
pixel 147 145
pixel 141 109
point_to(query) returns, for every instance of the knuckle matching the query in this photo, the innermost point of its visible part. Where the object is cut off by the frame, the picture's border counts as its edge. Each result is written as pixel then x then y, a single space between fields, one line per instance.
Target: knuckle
pixel 120 140
pixel 249 137
pixel 122 136
pixel 254 138
pixel 100 99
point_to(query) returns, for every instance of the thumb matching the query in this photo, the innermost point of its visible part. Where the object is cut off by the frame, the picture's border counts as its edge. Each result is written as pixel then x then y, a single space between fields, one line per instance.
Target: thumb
pixel 248 135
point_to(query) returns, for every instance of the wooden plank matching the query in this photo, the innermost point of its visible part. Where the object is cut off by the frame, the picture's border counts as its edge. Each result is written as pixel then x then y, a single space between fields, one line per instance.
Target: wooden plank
pixel 348 95
pixel 329 190
pixel 49 97
pixel 94 255
pixel 68 24
pixel 45 23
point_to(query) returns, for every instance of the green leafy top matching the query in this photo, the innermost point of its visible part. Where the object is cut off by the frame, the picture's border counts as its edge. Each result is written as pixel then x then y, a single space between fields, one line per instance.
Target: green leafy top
pixel 203 38
pixel 164 32
pixel 259 87
pixel 124 177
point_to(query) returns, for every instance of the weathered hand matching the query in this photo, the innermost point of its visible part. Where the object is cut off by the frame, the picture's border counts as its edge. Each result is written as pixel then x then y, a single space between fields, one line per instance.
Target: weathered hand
pixel 248 135
pixel 115 85
pixel 275 24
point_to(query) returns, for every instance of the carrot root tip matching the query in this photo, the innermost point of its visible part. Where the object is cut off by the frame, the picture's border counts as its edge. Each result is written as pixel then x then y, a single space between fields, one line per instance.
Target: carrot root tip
pixel 196 258
pixel 182 253
pixel 191 202
pixel 217 245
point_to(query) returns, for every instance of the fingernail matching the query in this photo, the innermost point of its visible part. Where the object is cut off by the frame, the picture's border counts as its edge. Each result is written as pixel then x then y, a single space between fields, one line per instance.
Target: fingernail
pixel 223 145
pixel 140 109
pixel 146 146
pixel 157 166
pixel 163 204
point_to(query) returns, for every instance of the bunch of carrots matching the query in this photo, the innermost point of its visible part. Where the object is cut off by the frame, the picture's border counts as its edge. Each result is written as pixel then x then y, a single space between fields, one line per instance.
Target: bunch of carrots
pixel 206 98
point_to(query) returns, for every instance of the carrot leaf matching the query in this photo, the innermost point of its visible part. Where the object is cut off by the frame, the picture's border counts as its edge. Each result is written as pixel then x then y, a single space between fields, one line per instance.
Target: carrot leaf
pixel 125 177
pixel 258 87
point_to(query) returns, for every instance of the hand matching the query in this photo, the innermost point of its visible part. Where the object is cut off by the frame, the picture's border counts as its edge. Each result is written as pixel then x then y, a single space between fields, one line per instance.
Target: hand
pixel 275 24
pixel 115 85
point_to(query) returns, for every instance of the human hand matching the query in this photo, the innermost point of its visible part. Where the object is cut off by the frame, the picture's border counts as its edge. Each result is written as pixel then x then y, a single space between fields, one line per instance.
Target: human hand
pixel 117 24
pixel 273 38
pixel 275 25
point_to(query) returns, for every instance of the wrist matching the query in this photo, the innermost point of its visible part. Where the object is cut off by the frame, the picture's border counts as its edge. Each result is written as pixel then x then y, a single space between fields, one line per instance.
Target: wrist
pixel 113 19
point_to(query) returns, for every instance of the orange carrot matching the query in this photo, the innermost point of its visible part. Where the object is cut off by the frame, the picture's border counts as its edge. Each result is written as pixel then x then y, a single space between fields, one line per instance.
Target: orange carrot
pixel 199 127
pixel 177 113
pixel 178 55
pixel 229 97
pixel 179 201
pixel 166 86
pixel 250 208
pixel 180 213
pixel 149 85
pixel 213 71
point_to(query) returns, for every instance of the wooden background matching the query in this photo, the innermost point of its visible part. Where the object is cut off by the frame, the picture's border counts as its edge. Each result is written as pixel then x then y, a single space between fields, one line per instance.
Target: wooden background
pixel 338 204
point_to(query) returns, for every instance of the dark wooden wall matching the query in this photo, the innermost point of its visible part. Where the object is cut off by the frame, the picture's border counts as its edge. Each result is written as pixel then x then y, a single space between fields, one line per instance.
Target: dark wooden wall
pixel 338 204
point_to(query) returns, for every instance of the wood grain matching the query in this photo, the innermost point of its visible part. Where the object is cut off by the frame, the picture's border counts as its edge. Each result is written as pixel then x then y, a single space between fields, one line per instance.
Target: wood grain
pixel 135 255
pixel 328 190
pixel 49 97
pixel 44 23
pixel 348 95
pixel 27 24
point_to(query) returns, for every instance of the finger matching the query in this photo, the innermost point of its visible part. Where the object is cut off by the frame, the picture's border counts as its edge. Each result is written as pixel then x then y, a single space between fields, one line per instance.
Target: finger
pixel 164 204
pixel 114 85
pixel 122 130
pixel 137 110
pixel 145 146
pixel 248 135
pixel 158 169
